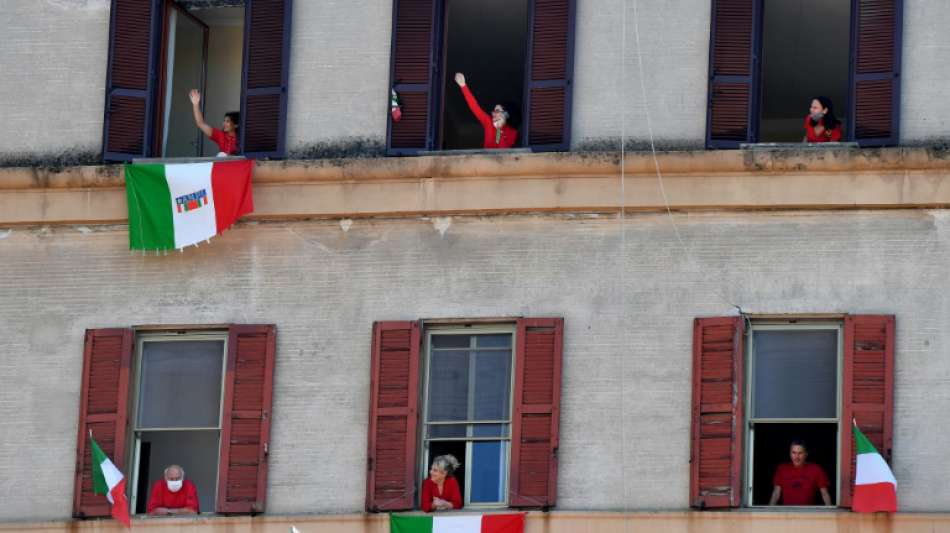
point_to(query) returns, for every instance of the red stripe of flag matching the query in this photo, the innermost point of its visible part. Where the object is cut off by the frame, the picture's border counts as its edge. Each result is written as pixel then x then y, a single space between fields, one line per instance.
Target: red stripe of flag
pixel 231 185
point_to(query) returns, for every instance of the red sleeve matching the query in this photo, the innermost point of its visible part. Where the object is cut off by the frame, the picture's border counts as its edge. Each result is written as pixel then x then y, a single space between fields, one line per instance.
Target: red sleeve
pixel 191 497
pixel 452 493
pixel 821 477
pixel 218 137
pixel 836 134
pixel 777 478
pixel 155 498
pixel 427 495
pixel 475 108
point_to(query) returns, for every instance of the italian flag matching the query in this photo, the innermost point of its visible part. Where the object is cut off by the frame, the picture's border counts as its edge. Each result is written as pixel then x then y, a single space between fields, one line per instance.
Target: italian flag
pixel 489 523
pixel 108 480
pixel 177 205
pixel 875 488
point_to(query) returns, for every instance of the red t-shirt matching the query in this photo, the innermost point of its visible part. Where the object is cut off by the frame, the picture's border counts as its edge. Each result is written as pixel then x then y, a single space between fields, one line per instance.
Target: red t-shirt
pixel 450 493
pixel 832 135
pixel 227 143
pixel 508 134
pixel 799 484
pixel 187 496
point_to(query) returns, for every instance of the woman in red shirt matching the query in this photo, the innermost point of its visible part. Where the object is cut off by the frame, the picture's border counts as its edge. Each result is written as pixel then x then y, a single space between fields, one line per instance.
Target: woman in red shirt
pixel 440 491
pixel 498 134
pixel 226 138
pixel 821 124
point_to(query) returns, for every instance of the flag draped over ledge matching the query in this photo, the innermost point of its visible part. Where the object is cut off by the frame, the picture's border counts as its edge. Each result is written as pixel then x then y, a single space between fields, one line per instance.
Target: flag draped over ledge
pixel 489 523
pixel 177 205
pixel 875 488
pixel 108 480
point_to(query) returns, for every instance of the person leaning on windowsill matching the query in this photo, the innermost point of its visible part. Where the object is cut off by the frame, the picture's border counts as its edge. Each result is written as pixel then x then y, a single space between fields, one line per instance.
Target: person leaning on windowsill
pixel 440 491
pixel 821 124
pixel 226 138
pixel 173 494
pixel 796 482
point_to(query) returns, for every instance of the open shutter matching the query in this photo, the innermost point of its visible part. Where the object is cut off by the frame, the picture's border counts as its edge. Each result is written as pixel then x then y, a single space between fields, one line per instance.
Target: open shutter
pixel 536 412
pixel 411 69
pixel 716 453
pixel 868 390
pixel 130 79
pixel 245 423
pixel 393 407
pixel 103 409
pixel 875 76
pixel 266 69
pixel 733 73
pixel 550 73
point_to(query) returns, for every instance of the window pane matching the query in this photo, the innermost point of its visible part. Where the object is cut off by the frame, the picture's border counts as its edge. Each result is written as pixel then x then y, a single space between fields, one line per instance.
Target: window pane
pixel 448 385
pixel 492 380
pixel 441 432
pixel 493 341
pixel 796 373
pixel 489 430
pixel 181 384
pixel 450 341
pixel 489 475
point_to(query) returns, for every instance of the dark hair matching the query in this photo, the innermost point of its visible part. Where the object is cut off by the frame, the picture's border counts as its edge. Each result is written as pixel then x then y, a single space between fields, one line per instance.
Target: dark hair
pixel 829 121
pixel 235 118
pixel 514 113
pixel 798 442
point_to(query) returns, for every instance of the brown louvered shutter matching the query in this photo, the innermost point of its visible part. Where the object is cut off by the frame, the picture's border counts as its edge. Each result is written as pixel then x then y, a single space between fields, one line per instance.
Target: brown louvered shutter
pixel 733 73
pixel 716 453
pixel 130 81
pixel 536 412
pixel 875 80
pixel 103 409
pixel 393 407
pixel 245 423
pixel 266 71
pixel 411 68
pixel 550 75
pixel 867 390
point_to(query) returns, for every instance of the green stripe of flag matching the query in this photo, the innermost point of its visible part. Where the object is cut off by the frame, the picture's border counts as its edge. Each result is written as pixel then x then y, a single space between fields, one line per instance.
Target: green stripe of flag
pixel 861 443
pixel 99 485
pixel 149 227
pixel 410 524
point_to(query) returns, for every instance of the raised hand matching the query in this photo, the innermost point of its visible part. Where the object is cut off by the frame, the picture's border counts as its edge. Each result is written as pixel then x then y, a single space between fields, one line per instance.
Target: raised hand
pixel 460 79
pixel 195 97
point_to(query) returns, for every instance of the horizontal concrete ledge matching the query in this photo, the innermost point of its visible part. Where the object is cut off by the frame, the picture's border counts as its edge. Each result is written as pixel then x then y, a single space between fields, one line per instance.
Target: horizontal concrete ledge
pixel 518 183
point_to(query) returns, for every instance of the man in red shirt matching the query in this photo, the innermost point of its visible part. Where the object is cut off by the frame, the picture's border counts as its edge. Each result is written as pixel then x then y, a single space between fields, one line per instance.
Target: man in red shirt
pixel 796 482
pixel 173 494
pixel 498 134
pixel 226 138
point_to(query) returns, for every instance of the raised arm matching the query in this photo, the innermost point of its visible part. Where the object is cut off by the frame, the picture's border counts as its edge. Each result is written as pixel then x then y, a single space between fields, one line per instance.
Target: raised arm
pixel 473 106
pixel 195 97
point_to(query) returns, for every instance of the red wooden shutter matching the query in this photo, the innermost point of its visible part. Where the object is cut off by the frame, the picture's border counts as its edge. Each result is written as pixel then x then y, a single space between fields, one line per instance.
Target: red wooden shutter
pixel 536 412
pixel 550 73
pixel 411 68
pixel 733 73
pixel 868 390
pixel 716 454
pixel 875 78
pixel 130 82
pixel 245 424
pixel 393 407
pixel 103 408
pixel 266 70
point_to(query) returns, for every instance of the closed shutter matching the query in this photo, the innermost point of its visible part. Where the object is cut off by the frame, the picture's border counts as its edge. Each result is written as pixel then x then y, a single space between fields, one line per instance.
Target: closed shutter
pixel 130 79
pixel 393 407
pixel 266 70
pixel 867 390
pixel 411 69
pixel 733 73
pixel 716 454
pixel 536 413
pixel 103 409
pixel 875 78
pixel 245 424
pixel 550 73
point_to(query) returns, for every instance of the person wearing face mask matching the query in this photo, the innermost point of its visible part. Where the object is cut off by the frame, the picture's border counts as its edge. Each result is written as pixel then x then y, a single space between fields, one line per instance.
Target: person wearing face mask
pixel 173 494
pixel 498 133
pixel 821 124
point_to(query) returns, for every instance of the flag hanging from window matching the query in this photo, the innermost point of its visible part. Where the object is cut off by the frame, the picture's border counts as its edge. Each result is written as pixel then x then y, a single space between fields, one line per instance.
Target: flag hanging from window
pixel 875 488
pixel 489 523
pixel 108 480
pixel 177 205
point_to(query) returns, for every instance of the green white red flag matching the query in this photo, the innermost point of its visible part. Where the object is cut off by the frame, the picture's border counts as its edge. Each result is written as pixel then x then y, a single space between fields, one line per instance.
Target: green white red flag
pixel 108 480
pixel 875 488
pixel 488 523
pixel 177 205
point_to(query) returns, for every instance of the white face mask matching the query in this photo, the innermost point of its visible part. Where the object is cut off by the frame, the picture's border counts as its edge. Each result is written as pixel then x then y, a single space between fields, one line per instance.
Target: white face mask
pixel 174 486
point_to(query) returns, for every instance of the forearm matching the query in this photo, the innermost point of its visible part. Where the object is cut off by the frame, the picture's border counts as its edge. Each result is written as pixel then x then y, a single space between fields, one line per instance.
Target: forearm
pixel 474 107
pixel 200 120
pixel 776 493
pixel 826 497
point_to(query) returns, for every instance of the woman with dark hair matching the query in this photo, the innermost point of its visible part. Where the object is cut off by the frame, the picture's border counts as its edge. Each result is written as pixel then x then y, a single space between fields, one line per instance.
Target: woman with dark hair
pixel 821 124
pixel 498 133
pixel 226 138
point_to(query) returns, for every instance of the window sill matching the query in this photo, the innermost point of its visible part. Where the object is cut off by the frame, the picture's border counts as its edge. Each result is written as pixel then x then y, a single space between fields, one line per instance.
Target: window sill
pixel 801 146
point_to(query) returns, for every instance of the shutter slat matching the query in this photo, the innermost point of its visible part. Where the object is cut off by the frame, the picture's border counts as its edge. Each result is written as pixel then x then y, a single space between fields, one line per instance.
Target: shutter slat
pixel 730 100
pixel 410 72
pixel 266 72
pixel 550 75
pixel 875 82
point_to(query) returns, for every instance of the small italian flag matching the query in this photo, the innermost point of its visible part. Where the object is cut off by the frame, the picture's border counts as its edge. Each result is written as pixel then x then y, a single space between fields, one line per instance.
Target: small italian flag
pixel 108 480
pixel 177 205
pixel 489 523
pixel 875 488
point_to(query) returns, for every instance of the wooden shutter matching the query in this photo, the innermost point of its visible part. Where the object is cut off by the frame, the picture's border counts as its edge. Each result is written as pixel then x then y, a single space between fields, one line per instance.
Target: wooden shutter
pixel 716 454
pixel 130 79
pixel 536 412
pixel 411 73
pixel 875 76
pixel 266 70
pixel 733 73
pixel 245 424
pixel 868 390
pixel 103 408
pixel 550 73
pixel 393 407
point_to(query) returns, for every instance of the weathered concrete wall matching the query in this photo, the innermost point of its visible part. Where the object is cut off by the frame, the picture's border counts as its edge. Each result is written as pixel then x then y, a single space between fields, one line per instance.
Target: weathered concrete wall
pixel 925 110
pixel 628 290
